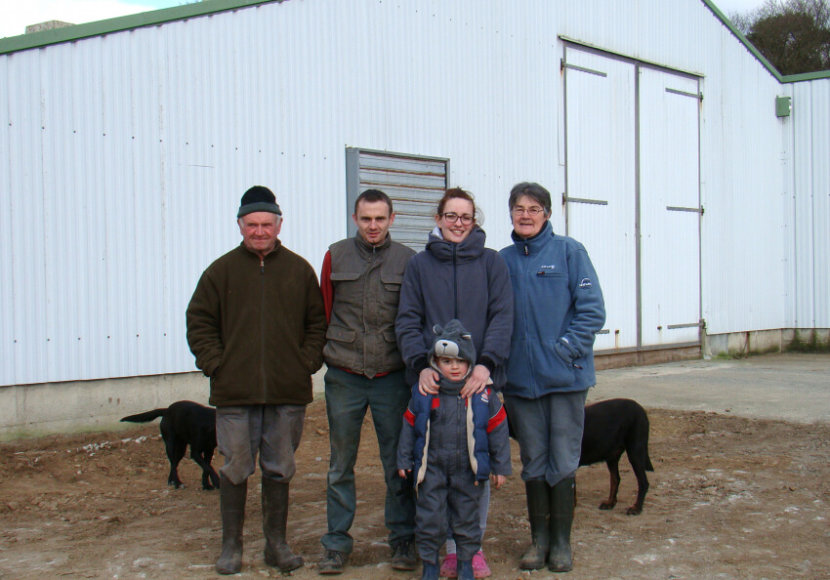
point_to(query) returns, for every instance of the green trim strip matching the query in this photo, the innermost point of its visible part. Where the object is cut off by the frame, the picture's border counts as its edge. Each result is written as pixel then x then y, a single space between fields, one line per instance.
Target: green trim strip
pixel 103 27
pixel 196 9
pixel 626 58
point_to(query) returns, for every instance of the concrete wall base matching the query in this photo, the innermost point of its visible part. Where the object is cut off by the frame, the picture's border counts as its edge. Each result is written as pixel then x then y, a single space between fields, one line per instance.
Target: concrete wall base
pixel 734 344
pixel 74 407
pixel 41 409
pixel 650 356
pixel 738 344
pixel 71 407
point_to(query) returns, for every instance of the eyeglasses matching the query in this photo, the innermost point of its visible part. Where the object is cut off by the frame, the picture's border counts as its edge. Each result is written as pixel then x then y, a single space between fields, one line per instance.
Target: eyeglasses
pixel 532 211
pixel 453 217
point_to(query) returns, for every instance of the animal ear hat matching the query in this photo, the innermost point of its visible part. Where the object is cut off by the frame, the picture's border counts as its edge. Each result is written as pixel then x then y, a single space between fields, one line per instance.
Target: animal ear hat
pixel 453 341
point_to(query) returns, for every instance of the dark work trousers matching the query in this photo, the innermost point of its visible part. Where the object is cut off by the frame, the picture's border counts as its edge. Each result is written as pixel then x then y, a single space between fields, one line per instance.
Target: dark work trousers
pixel 348 396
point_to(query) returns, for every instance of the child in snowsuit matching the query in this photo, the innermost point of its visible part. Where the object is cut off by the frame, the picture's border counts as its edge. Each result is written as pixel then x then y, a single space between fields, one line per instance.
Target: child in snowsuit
pixel 449 446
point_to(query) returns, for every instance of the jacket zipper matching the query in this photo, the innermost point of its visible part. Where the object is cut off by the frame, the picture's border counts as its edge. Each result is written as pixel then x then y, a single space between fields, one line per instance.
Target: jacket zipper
pixel 454 282
pixel 262 328
pixel 534 387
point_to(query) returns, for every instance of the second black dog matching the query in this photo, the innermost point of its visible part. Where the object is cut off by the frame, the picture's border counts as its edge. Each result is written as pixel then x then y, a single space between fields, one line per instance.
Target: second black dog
pixel 611 427
pixel 186 423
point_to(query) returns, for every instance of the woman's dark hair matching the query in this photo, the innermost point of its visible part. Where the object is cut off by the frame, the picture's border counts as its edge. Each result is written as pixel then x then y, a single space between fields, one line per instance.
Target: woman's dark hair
pixel 455 193
pixel 532 190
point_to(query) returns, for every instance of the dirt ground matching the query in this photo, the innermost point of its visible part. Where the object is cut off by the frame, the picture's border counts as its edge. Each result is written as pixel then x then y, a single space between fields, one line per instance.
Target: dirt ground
pixel 730 498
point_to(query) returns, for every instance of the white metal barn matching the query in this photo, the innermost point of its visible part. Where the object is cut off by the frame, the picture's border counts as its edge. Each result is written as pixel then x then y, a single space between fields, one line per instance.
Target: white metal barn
pixel 696 175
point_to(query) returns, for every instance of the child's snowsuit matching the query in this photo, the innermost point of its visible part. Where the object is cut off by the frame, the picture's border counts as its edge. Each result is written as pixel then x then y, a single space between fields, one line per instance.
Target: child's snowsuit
pixel 452 445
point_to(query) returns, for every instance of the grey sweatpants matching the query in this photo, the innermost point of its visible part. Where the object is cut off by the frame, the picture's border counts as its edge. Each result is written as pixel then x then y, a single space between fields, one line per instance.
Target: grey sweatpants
pixel 549 432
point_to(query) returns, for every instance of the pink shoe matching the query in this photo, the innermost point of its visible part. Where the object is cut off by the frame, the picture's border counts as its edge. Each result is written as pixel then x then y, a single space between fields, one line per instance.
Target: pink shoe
pixel 449 567
pixel 480 567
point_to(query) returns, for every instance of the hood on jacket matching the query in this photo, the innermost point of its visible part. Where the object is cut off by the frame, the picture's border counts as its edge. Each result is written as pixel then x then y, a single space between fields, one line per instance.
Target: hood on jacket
pixel 469 248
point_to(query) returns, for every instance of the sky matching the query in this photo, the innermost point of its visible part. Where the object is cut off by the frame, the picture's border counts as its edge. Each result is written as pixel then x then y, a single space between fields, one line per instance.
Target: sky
pixel 16 14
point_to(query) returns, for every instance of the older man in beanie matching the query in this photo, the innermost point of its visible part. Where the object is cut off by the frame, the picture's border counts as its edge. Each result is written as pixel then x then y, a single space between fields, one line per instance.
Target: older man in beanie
pixel 257 327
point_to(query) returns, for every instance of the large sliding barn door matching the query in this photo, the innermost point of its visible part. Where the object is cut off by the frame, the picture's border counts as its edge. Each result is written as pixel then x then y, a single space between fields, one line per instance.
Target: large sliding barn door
pixel 632 194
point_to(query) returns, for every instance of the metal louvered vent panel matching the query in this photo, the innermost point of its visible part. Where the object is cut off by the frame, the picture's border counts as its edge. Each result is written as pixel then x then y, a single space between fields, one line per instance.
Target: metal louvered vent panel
pixel 414 183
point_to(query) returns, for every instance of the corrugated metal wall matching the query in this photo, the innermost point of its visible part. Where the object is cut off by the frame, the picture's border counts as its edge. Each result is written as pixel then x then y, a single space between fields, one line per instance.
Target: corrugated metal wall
pixel 127 154
pixel 811 192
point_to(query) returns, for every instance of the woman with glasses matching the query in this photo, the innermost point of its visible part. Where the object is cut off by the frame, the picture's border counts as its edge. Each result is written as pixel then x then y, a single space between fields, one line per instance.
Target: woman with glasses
pixel 456 277
pixel 558 311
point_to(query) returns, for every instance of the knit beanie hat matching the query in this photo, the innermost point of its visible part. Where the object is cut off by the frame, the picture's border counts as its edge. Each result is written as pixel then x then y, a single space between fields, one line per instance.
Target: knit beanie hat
pixel 258 198
pixel 452 341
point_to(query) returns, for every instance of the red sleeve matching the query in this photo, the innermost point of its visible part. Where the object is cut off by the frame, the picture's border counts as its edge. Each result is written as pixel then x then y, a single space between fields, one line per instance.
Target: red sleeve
pixel 326 287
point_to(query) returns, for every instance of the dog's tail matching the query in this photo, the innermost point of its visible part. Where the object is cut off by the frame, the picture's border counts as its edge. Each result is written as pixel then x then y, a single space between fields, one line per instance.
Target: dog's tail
pixel 643 428
pixel 146 416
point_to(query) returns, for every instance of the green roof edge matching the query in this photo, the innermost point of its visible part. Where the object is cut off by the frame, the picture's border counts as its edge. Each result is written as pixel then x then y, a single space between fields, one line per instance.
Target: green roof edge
pixel 206 7
pixel 757 54
pixel 122 23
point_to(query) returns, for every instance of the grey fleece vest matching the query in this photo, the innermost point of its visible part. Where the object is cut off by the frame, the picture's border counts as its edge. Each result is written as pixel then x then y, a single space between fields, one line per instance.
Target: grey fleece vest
pixel 367 286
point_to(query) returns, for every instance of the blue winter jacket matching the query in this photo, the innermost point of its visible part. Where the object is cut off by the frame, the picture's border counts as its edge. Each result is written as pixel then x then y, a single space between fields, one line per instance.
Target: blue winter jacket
pixel 465 281
pixel 482 433
pixel 558 311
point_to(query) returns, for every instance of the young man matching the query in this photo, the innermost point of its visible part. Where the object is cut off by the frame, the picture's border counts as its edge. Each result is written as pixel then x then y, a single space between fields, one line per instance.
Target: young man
pixel 361 282
pixel 256 326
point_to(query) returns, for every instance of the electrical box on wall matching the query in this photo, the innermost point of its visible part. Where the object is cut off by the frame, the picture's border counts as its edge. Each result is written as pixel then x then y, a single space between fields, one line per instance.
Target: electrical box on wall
pixel 783 106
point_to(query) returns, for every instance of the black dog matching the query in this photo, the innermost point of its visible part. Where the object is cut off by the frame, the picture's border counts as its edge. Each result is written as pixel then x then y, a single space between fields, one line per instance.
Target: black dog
pixel 186 423
pixel 611 427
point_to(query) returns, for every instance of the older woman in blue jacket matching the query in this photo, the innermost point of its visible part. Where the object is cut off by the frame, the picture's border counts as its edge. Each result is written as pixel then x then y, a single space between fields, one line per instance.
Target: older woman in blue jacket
pixel 558 311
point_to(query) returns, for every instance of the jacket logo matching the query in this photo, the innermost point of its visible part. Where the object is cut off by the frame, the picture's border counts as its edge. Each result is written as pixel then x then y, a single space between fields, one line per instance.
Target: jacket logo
pixel 585 283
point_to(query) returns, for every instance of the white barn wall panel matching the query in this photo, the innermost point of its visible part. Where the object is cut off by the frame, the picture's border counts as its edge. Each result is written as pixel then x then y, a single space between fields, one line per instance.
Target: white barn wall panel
pixel 127 154
pixel 811 195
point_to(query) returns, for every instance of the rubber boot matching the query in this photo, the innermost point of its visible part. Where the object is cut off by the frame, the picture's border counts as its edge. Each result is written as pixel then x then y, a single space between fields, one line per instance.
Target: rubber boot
pixel 274 520
pixel 560 558
pixel 465 570
pixel 430 570
pixel 232 506
pixel 538 512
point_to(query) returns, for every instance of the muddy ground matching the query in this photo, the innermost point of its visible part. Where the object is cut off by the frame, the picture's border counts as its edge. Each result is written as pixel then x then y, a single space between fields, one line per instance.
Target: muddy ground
pixel 730 498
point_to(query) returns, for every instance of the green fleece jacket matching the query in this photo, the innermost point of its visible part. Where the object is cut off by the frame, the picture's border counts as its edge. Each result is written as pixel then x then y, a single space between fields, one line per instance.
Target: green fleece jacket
pixel 257 328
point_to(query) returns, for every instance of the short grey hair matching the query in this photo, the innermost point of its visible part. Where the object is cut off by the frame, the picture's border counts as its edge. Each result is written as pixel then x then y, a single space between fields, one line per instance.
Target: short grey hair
pixel 532 190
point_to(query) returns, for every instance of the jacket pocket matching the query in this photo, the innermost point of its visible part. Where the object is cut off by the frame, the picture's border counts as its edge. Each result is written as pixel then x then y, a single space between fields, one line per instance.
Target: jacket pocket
pixel 391 290
pixel 337 277
pixel 340 334
pixel 557 371
pixel 391 282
